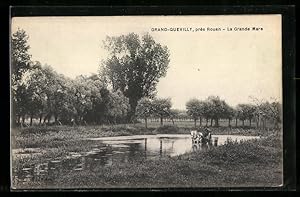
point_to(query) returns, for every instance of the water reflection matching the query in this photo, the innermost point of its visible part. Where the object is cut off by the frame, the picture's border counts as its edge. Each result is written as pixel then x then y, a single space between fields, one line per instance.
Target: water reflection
pixel 114 150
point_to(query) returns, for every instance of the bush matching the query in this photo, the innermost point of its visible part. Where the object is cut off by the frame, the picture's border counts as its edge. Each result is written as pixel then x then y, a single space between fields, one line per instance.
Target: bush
pixel 233 153
pixel 274 141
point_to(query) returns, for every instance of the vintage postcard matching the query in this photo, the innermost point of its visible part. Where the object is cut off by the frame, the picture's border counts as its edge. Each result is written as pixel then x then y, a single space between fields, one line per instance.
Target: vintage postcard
pixel 146 102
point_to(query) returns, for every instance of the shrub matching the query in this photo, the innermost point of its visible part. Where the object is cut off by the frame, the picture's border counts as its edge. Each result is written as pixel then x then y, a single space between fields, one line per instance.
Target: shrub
pixel 233 153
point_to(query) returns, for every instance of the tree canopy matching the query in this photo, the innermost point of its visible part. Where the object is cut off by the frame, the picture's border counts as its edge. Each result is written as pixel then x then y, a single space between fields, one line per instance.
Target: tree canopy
pixel 125 87
pixel 134 66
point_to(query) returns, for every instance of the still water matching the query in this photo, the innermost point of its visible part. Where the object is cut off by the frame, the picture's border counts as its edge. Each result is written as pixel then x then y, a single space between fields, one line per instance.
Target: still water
pixel 108 150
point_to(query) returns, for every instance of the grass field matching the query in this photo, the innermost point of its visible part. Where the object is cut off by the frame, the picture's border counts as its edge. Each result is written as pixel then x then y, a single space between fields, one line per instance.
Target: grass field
pixel 257 162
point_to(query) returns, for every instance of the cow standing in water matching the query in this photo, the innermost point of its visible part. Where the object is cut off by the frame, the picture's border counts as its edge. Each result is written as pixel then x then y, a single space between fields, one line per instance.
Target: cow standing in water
pixel 195 136
pixel 206 135
pixel 203 137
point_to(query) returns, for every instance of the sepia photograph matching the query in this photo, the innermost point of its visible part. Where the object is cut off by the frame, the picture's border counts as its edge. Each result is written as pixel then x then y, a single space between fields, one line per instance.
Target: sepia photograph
pixel 100 102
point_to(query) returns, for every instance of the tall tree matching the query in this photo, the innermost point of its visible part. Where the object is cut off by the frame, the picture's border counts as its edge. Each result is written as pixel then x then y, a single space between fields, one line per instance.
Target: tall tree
pixel 250 113
pixel 275 110
pixel 144 109
pixel 193 108
pixel 229 113
pixel 206 110
pixel 118 106
pixel 242 110
pixel 162 108
pixel 20 63
pixel 175 114
pixel 34 83
pixel 134 66
pixel 20 57
pixel 246 111
pixel 217 108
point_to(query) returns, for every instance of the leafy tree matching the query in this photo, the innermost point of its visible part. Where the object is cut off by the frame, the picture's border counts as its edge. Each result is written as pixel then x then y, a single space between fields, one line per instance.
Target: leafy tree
pixel 193 108
pixel 203 109
pixel 217 108
pixel 206 110
pixel 229 113
pixel 20 57
pixel 275 111
pixel 144 109
pixel 89 101
pixel 134 66
pixel 242 112
pixel 96 113
pixel 268 111
pixel 34 83
pixel 246 111
pixel 175 114
pixel 236 116
pixel 67 111
pixel 250 113
pixel 20 63
pixel 118 106
pixel 82 95
pixel 162 108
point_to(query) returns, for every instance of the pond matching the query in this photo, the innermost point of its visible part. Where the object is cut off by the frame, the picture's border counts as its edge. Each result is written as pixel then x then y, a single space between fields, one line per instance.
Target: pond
pixel 108 150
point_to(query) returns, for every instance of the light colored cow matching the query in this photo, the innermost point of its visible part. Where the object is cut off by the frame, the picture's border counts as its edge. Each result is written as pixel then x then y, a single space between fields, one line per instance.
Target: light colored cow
pixel 194 133
pixel 199 137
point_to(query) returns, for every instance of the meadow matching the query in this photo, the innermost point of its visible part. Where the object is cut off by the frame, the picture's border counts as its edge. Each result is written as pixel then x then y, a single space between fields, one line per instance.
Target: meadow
pixel 250 163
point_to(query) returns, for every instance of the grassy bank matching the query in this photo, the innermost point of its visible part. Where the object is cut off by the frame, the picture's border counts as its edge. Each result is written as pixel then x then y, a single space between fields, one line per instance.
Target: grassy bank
pixel 54 136
pixel 67 136
pixel 56 141
pixel 38 144
pixel 251 163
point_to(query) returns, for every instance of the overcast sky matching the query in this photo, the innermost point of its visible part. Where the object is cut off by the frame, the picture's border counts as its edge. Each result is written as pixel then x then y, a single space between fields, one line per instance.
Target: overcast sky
pixel 231 64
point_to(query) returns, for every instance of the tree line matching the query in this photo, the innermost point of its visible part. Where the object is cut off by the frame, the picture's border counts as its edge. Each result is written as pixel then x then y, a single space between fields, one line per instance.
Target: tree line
pixel 210 111
pixel 44 94
pixel 122 91
pixel 38 92
pixel 214 109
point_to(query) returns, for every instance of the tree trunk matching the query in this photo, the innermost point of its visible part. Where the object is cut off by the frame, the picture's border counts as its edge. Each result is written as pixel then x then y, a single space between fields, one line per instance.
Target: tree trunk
pixel 250 122
pixel 206 121
pixel 200 121
pixel 172 121
pixel 243 122
pixel 229 125
pixel 55 118
pixel 161 121
pixel 160 148
pixel 236 122
pixel 195 122
pixel 23 119
pixel 45 118
pixel 131 114
pixel 146 123
pixel 216 122
pixel 211 122
pixel 31 120
pixel 41 117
